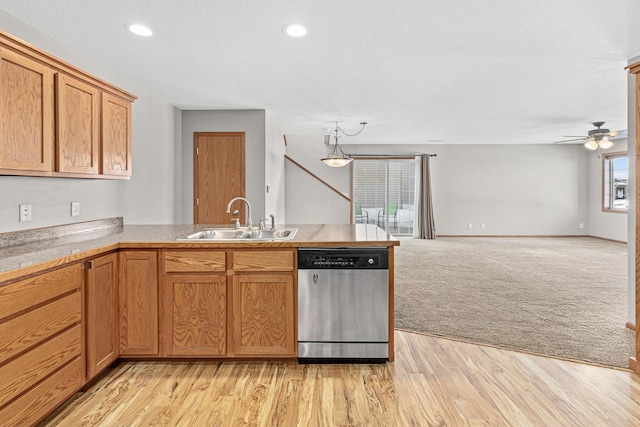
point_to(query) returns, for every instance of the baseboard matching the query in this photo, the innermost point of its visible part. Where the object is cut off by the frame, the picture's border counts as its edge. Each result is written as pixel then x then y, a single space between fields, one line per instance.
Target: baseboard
pixel 530 236
pixel 631 326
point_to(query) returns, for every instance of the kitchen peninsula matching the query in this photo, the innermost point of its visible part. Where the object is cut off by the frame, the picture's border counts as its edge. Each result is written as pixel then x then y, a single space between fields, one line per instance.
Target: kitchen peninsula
pixel 75 298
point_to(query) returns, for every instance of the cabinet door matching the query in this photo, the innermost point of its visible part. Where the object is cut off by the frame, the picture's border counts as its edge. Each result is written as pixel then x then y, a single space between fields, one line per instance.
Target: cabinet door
pixel 116 136
pixel 138 296
pixel 78 115
pixel 263 315
pixel 26 109
pixel 194 313
pixel 102 313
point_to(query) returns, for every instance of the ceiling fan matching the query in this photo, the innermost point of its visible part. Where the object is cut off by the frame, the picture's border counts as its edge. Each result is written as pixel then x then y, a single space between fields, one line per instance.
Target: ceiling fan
pixel 596 138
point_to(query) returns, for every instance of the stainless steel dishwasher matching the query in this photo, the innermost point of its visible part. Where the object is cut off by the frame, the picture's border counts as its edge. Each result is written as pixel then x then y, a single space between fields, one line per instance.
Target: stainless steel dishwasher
pixel 343 303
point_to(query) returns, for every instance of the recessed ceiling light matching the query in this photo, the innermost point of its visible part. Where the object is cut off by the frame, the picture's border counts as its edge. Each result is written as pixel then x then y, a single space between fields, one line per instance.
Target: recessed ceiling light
pixel 295 30
pixel 139 30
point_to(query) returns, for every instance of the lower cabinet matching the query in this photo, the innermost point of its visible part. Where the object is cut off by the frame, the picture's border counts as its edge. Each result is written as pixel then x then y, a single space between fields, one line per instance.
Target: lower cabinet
pixel 41 352
pixel 101 313
pixel 233 303
pixel 194 313
pixel 263 315
pixel 138 302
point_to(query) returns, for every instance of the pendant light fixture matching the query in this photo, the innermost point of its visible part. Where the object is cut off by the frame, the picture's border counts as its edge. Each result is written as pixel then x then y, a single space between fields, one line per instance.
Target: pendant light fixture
pixel 336 157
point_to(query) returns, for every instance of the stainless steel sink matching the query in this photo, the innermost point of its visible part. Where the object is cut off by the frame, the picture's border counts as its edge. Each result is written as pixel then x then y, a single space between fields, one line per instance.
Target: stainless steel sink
pixel 211 234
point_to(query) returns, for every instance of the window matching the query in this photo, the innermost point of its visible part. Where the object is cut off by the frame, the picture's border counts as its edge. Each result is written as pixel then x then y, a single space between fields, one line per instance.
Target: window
pixel 385 188
pixel 615 170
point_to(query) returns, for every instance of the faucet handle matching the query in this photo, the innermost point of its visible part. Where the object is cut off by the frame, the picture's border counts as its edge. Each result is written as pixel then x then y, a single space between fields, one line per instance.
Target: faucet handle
pixel 237 222
pixel 262 224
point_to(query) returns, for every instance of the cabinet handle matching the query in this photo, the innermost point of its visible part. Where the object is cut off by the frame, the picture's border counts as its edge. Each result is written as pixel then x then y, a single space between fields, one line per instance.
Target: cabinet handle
pixel 89 265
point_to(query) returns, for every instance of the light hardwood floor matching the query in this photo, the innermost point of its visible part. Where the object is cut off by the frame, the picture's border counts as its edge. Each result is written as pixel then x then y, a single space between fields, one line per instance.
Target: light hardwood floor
pixel 433 382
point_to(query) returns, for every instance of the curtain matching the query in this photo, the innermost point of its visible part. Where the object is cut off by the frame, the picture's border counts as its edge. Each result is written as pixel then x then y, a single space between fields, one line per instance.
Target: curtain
pixel 425 225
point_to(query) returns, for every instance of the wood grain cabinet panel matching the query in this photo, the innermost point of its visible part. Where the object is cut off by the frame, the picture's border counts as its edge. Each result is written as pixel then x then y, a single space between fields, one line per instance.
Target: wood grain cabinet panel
pixel 78 126
pixel 35 404
pixel 263 315
pixel 26 113
pixel 21 373
pixel 101 308
pixel 116 136
pixel 263 260
pixel 27 293
pixel 138 296
pixel 194 312
pixel 18 334
pixel 202 261
pixel 41 348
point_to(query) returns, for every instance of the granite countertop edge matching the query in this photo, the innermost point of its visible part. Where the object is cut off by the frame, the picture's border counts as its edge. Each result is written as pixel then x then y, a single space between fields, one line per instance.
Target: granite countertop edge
pixel 32 257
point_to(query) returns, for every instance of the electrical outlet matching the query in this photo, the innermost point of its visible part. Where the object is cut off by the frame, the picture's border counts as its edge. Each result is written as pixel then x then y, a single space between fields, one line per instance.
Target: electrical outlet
pixel 581 225
pixel 470 226
pixel 75 208
pixel 482 226
pixel 25 213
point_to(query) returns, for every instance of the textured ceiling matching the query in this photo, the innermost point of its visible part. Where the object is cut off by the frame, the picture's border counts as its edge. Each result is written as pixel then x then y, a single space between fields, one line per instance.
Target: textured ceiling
pixel 419 71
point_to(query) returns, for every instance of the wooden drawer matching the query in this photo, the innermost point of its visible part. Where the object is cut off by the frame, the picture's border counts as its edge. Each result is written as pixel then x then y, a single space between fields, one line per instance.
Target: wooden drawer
pixel 266 260
pixel 30 368
pixel 19 333
pixel 45 397
pixel 27 293
pixel 194 261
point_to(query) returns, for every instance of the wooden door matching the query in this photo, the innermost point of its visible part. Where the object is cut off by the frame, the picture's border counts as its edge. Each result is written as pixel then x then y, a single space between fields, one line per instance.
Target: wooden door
pixel 219 176
pixel 26 109
pixel 78 127
pixel 138 297
pixel 194 315
pixel 263 315
pixel 116 136
pixel 102 313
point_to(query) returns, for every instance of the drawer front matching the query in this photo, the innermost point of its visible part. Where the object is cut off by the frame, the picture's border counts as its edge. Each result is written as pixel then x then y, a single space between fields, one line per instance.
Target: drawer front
pixel 30 368
pixel 194 261
pixel 33 327
pixel 27 293
pixel 45 397
pixel 263 260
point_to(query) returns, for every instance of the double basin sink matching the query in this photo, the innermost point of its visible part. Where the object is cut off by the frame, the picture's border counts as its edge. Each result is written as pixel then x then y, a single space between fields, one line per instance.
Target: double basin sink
pixel 211 234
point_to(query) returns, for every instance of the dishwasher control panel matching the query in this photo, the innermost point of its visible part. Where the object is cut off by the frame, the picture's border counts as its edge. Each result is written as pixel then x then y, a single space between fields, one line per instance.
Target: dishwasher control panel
pixel 343 258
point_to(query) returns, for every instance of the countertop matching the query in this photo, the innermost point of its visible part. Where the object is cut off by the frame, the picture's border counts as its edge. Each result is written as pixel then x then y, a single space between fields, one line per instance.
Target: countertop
pixel 33 257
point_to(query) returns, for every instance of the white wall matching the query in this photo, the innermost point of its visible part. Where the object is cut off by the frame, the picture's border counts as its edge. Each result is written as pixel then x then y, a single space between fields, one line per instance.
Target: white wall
pixel 252 122
pixel 308 201
pixel 137 200
pixel 512 189
pixel 274 200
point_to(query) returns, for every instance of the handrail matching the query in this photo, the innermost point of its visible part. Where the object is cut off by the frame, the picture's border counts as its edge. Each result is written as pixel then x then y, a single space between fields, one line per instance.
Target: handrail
pixel 348 199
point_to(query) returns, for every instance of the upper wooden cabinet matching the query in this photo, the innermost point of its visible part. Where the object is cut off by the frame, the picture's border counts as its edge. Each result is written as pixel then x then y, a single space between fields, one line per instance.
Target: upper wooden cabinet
pixel 26 114
pixel 78 124
pixel 116 136
pixel 91 118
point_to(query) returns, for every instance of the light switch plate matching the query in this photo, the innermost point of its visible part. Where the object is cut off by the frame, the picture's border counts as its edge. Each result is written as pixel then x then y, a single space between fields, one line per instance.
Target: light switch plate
pixel 75 208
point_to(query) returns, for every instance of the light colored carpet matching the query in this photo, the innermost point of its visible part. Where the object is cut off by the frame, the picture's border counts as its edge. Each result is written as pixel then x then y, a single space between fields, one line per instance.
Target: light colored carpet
pixel 564 296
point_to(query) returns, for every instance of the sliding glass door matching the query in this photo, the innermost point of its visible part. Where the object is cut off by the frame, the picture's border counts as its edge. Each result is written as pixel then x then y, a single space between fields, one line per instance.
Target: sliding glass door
pixel 384 193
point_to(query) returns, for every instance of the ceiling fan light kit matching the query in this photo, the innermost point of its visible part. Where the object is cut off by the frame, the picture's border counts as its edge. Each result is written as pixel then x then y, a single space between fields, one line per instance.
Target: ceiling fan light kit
pixel 336 157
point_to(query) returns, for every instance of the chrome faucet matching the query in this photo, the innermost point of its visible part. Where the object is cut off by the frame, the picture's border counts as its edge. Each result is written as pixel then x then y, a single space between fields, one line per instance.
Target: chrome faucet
pixel 248 215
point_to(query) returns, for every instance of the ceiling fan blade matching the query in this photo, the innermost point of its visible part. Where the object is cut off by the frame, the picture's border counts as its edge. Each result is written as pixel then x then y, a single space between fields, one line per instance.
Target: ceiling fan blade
pixel 572 141
pixel 619 134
